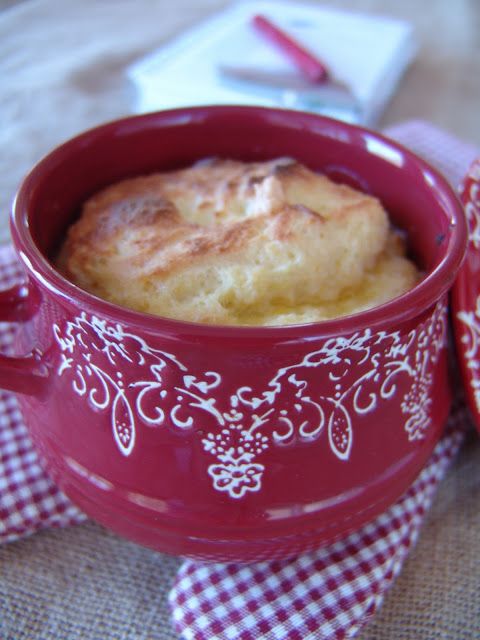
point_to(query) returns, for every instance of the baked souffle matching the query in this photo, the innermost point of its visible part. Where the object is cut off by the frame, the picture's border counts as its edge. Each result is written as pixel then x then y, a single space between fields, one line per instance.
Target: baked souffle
pixel 231 243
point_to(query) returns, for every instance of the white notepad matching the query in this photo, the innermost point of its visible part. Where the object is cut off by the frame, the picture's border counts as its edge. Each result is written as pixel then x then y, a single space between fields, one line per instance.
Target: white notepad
pixel 367 53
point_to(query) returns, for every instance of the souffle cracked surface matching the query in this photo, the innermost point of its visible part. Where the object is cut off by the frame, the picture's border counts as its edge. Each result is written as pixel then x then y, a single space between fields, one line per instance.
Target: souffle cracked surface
pixel 227 242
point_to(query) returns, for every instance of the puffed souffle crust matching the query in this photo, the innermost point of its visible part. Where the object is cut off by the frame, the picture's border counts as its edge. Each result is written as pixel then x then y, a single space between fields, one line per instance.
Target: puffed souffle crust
pixel 232 243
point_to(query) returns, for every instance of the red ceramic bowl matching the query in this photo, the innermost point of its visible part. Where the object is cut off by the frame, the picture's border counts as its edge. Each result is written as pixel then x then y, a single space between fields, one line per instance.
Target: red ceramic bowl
pixel 231 443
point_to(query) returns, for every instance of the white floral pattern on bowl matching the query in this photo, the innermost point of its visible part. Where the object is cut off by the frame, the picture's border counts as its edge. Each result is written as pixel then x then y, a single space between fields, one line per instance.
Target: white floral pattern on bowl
pixel 257 419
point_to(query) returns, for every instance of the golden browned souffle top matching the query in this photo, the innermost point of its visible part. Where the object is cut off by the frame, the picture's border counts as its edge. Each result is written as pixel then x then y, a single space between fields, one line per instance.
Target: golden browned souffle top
pixel 226 242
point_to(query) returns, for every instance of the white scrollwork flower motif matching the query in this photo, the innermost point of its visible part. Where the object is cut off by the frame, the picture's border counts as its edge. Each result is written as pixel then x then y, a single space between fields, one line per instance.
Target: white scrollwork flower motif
pixel 93 338
pixel 288 409
pixel 472 206
pixel 471 340
pixel 471 345
pixel 236 479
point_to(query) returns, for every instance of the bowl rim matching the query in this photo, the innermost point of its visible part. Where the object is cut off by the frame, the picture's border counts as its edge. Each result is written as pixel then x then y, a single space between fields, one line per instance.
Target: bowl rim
pixel 411 304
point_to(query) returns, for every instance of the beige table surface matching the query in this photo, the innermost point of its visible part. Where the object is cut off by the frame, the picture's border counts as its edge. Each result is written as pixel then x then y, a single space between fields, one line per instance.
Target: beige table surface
pixel 61 65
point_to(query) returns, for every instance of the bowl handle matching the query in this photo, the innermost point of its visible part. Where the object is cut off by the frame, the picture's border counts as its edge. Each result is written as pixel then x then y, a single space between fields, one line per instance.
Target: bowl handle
pixel 25 374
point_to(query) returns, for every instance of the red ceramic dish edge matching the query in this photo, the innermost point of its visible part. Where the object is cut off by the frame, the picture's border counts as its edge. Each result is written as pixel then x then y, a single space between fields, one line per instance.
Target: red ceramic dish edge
pixel 465 295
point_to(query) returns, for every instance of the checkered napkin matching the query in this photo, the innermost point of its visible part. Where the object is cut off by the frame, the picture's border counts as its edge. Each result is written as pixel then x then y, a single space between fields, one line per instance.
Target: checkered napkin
pixel 330 593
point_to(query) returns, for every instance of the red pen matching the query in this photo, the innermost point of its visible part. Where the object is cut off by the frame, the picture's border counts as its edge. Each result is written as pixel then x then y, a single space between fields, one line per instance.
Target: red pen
pixel 304 60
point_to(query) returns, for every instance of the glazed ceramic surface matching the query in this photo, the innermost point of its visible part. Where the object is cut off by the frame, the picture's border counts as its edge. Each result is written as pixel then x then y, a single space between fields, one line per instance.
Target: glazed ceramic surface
pixel 466 295
pixel 231 443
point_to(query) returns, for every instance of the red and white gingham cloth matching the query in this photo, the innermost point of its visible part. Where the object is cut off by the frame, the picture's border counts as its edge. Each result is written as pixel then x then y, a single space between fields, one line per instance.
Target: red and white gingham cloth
pixel 329 593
